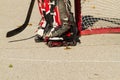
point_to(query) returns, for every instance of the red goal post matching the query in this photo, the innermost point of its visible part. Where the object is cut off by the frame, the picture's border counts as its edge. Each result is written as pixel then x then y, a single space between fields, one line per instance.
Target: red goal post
pixel 110 23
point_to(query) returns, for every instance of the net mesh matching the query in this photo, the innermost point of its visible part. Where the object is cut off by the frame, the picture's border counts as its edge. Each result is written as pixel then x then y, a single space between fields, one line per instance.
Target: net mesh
pixel 100 14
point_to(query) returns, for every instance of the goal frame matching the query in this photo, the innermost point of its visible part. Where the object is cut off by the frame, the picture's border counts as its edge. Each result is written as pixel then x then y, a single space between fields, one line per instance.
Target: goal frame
pixel 78 19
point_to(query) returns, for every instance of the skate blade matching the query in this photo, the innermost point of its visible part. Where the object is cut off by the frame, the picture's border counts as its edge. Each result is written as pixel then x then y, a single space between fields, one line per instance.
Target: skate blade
pixel 56 38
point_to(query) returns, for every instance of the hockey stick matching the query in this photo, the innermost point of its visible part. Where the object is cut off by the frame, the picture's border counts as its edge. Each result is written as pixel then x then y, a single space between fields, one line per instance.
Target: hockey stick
pixel 22 27
pixel 22 39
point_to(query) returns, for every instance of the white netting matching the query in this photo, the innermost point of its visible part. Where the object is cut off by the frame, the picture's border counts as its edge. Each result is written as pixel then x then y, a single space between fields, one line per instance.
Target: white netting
pixel 100 13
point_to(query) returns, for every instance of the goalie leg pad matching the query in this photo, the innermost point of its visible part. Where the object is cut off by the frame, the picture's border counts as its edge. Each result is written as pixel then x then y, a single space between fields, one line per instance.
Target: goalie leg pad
pixel 57 18
pixel 63 17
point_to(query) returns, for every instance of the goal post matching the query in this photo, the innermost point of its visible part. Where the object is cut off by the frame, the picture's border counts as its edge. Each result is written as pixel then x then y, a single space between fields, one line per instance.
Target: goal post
pixel 97 16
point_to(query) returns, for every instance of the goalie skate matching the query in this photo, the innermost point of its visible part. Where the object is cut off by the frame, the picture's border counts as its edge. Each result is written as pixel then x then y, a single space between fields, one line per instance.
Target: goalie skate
pixel 58 42
pixel 38 38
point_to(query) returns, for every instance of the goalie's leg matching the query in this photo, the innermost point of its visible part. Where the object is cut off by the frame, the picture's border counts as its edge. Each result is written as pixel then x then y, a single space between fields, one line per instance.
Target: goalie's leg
pixel 46 9
pixel 62 11
pixel 42 24
pixel 66 26
pixel 59 11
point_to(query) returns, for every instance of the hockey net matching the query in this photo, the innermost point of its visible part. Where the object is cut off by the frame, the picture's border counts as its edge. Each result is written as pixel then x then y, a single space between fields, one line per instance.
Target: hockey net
pixel 97 16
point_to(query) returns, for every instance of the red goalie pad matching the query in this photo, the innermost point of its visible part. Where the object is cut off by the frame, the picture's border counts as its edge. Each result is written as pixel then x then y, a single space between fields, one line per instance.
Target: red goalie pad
pixel 56 16
pixel 44 6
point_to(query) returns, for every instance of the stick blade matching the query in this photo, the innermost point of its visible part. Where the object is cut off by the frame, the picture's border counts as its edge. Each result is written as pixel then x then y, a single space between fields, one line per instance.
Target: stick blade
pixel 21 28
pixel 15 31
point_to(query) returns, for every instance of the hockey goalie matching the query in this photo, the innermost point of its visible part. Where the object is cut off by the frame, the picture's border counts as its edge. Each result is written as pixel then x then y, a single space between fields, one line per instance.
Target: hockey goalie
pixel 57 26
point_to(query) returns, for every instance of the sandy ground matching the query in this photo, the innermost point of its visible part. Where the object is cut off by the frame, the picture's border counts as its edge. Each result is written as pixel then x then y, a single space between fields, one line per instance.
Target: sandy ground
pixel 96 58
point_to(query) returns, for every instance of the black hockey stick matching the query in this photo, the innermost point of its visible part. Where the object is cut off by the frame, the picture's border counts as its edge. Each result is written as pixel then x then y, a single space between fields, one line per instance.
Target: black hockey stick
pixel 22 27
